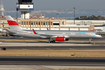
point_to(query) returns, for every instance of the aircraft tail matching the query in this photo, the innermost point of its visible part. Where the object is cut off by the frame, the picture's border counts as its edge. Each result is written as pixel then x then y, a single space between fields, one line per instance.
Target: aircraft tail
pixel 12 23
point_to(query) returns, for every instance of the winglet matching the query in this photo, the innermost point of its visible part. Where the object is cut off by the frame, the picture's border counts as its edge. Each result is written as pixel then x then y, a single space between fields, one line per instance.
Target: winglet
pixel 47 29
pixel 34 31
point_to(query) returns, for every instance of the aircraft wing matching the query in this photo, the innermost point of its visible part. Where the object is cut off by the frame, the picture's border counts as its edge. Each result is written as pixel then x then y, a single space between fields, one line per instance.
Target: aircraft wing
pixel 51 35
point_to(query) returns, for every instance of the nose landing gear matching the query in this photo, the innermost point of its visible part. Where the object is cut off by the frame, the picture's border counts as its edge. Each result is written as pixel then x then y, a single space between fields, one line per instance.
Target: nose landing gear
pixel 90 40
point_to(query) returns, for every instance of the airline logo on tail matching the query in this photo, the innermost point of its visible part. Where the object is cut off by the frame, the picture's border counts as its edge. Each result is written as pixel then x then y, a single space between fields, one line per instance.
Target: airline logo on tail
pixel 11 21
pixel 13 24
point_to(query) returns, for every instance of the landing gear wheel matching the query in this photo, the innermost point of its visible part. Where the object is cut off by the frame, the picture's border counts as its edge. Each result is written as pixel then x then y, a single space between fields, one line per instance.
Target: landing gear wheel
pixel 53 41
pixel 50 41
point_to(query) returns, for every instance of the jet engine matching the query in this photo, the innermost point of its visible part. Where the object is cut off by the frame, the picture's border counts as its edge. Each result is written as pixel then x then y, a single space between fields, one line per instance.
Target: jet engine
pixel 61 39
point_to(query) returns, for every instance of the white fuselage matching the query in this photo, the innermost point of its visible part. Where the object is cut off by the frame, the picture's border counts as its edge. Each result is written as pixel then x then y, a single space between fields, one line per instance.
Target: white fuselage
pixel 49 33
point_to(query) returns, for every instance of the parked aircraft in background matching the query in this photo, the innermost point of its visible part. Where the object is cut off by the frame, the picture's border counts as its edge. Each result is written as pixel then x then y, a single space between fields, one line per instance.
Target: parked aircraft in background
pixel 53 35
pixel 2 29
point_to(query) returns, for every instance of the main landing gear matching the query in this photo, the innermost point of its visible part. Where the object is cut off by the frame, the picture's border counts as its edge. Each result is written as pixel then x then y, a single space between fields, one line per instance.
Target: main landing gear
pixel 51 40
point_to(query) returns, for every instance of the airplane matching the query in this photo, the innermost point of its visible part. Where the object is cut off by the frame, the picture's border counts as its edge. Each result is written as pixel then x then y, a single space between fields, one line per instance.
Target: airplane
pixel 2 29
pixel 52 35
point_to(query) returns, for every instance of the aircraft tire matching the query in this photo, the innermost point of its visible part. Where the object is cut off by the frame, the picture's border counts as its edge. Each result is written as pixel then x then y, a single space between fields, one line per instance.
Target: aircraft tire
pixel 53 41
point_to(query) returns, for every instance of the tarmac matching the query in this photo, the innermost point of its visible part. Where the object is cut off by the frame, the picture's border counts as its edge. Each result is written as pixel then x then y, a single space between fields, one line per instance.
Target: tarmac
pixel 35 40
pixel 51 63
pixel 40 47
pixel 44 67
pixel 35 63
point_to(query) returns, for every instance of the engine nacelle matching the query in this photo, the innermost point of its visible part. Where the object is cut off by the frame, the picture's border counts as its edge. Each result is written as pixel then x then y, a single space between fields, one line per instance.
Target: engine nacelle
pixel 61 39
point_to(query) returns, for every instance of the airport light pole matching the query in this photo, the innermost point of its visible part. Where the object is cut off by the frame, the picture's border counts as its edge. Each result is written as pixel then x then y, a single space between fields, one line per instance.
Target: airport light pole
pixel 74 15
pixel 17 15
pixel 57 15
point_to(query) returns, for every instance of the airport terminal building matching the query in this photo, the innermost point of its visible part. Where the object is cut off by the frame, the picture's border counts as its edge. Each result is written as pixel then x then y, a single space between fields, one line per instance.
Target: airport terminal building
pixel 41 24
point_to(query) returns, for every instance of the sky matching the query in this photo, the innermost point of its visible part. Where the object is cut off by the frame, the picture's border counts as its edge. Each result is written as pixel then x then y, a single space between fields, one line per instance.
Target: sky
pixel 64 7
pixel 60 4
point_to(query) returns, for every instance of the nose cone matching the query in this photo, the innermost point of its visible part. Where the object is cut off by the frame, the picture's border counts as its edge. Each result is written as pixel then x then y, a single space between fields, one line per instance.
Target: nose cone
pixel 98 36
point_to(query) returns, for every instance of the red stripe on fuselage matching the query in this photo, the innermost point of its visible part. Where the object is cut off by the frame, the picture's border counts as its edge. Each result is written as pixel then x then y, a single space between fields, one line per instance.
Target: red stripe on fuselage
pixel 12 23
